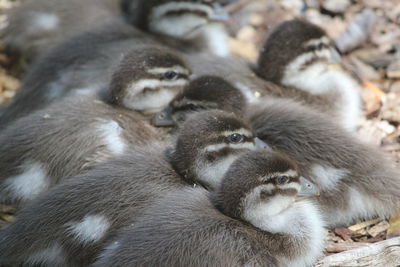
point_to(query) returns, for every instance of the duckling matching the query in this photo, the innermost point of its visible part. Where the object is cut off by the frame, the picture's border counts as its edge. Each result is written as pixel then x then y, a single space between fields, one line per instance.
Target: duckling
pixel 297 54
pixel 204 93
pixel 254 218
pixel 357 181
pixel 36 26
pixel 69 225
pixel 84 63
pixel 81 131
pixel 198 21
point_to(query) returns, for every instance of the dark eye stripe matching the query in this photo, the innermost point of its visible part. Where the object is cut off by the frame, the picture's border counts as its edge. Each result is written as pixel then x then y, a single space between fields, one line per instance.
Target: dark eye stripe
pixel 185 11
pixel 178 76
pixel 292 179
pixel 285 192
pixel 316 47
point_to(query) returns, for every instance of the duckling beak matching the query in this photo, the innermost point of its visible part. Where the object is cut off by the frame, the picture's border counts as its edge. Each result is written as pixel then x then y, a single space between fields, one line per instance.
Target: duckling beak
pixel 163 118
pixel 260 144
pixel 219 14
pixel 308 188
pixel 335 57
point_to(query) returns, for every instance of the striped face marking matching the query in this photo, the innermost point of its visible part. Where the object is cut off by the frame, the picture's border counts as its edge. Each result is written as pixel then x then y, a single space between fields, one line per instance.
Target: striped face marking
pixel 280 183
pixel 275 194
pixel 179 8
pixel 217 157
pixel 155 92
pixel 237 139
pixel 179 19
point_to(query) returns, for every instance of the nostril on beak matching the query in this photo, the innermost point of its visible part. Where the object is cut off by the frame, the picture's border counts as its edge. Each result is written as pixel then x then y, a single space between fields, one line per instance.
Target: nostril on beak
pixel 308 188
pixel 163 119
pixel 260 144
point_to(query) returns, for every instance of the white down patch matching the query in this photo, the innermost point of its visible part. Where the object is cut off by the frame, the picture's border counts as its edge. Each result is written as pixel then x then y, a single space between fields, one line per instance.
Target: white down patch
pixel 162 91
pixel 318 79
pixel 52 256
pixel 301 220
pixel 153 102
pixel 308 79
pixel 31 182
pixel 349 103
pixel 178 25
pixel 218 147
pixel 327 177
pixel 111 134
pixel 212 174
pixel 91 229
pixel 177 69
pixel 216 39
pixel 360 206
pixel 44 22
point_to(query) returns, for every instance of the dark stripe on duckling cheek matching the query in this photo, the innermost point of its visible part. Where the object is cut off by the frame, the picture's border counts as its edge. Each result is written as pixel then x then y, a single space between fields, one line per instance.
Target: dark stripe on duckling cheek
pixel 290 192
pixel 186 11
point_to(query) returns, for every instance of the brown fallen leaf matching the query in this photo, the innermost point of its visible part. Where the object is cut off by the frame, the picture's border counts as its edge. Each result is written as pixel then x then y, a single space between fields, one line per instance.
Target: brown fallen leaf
pixel 394 228
pixel 363 225
pixel 344 233
pixel 378 228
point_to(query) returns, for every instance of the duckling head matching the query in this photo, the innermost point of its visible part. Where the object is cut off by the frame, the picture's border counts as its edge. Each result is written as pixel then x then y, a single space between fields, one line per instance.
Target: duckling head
pixel 207 143
pixel 177 18
pixel 203 93
pixel 147 79
pixel 261 184
pixel 294 48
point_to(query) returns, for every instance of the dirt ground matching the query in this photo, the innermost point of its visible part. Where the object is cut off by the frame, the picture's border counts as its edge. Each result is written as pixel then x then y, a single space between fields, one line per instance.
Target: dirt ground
pixel 367 32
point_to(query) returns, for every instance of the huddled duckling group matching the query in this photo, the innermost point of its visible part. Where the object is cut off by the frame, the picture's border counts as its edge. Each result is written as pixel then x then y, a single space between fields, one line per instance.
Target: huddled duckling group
pixel 136 139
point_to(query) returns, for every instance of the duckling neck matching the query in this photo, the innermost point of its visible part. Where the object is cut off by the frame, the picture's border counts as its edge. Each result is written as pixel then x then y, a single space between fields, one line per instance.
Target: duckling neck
pixel 302 224
pixel 300 214
pixel 216 39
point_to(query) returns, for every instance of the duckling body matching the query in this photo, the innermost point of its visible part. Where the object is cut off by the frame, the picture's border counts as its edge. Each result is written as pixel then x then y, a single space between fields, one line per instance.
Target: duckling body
pixel 186 229
pixel 81 131
pixel 70 224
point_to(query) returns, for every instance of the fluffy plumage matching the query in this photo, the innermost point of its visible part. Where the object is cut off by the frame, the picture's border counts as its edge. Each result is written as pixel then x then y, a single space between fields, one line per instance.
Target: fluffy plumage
pixel 36 27
pixel 185 229
pixel 82 131
pixel 349 172
pixel 70 224
pixel 203 93
pixel 297 54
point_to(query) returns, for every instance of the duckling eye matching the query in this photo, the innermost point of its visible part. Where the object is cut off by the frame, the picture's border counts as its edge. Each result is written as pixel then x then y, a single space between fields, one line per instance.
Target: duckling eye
pixel 235 138
pixel 281 180
pixel 320 46
pixel 170 75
